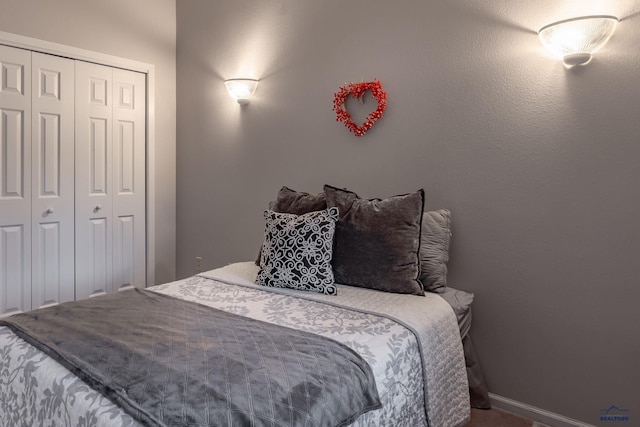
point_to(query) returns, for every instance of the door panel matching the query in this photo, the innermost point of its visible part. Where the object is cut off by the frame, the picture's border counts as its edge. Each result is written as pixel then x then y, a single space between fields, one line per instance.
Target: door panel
pixel 129 199
pixel 15 180
pixel 94 179
pixel 125 163
pixel 14 167
pixel 99 265
pixel 52 122
pixel 49 155
pixel 124 258
pixel 13 262
pixel 47 270
pixel 99 155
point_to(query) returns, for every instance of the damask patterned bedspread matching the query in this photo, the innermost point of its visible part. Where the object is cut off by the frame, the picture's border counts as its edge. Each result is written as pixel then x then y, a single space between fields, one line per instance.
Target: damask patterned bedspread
pixel 421 381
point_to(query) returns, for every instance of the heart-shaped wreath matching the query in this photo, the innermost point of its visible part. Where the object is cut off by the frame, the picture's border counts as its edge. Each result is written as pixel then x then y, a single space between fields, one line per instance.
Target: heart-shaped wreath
pixel 358 90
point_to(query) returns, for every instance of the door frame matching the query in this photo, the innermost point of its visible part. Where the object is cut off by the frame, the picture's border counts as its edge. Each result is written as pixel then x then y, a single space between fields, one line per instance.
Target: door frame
pixel 43 46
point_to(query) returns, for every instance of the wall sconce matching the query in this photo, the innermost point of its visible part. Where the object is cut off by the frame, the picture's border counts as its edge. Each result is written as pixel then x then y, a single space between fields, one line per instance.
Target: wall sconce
pixel 241 89
pixel 575 40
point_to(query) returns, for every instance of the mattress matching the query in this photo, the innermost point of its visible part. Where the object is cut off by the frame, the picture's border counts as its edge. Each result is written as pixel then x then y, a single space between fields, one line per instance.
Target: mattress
pixel 411 343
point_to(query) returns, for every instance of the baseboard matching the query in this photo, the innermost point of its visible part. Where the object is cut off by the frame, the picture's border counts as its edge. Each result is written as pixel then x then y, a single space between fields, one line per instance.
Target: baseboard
pixel 536 414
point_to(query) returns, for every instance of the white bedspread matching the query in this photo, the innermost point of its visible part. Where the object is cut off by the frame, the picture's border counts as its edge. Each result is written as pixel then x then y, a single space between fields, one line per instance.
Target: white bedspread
pixel 382 327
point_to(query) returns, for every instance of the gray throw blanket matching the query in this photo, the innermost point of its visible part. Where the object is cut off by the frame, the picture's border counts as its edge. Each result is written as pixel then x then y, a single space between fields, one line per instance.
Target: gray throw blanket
pixel 169 362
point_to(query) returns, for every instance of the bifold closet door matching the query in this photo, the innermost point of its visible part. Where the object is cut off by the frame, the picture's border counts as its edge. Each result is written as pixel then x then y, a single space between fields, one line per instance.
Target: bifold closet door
pixel 15 180
pixel 52 159
pixel 72 179
pixel 110 179
pixel 36 180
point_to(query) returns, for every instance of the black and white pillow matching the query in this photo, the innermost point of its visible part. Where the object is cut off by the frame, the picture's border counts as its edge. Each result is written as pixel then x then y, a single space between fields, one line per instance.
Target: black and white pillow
pixel 297 251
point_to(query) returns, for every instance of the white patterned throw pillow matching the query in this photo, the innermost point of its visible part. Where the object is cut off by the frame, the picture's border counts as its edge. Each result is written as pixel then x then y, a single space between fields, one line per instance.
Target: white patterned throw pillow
pixel 297 251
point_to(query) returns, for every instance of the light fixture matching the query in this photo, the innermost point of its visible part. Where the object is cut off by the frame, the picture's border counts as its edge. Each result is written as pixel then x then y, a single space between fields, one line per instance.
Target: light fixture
pixel 575 40
pixel 241 89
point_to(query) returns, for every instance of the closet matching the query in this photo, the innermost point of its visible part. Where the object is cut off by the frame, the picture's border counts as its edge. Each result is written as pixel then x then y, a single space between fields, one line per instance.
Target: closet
pixel 72 179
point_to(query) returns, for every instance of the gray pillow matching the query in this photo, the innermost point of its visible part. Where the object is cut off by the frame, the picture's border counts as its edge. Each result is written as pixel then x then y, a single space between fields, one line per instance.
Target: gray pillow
pixel 295 202
pixel 298 202
pixel 434 249
pixel 377 241
pixel 297 251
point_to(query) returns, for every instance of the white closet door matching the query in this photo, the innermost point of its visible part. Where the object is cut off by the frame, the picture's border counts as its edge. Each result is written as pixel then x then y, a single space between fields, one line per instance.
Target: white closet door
pixel 110 179
pixel 94 179
pixel 15 180
pixel 129 146
pixel 52 132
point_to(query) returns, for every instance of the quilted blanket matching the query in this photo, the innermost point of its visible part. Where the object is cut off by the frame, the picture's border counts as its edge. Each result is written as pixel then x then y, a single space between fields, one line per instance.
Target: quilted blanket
pixel 170 362
pixel 411 343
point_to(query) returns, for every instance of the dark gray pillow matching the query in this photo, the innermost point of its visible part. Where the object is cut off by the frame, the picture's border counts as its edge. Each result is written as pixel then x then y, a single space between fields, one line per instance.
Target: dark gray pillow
pixel 434 250
pixel 377 241
pixel 297 251
pixel 296 202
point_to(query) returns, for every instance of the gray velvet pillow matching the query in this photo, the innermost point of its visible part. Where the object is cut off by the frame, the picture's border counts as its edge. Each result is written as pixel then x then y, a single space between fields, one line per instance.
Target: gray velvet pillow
pixel 434 249
pixel 377 241
pixel 298 202
pixel 295 202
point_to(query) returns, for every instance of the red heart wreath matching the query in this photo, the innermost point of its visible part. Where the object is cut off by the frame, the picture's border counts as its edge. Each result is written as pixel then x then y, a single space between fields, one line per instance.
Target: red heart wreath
pixel 358 90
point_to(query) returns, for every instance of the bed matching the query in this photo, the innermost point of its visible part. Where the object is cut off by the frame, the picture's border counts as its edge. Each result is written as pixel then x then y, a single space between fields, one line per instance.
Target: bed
pixel 293 345
pixel 35 389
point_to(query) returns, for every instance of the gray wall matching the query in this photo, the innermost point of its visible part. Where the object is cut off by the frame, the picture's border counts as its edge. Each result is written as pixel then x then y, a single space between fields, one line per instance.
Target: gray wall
pixel 141 30
pixel 539 165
